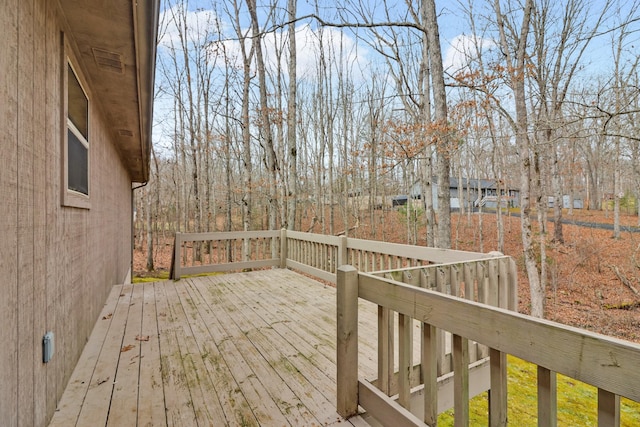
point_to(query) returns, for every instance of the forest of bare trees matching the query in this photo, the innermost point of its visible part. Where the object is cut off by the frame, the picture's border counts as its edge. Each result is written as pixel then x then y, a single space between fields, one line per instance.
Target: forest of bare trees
pixel 279 114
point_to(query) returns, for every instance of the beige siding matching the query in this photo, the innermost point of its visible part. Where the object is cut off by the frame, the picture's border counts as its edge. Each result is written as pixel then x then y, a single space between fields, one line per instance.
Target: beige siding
pixel 57 264
pixel 9 213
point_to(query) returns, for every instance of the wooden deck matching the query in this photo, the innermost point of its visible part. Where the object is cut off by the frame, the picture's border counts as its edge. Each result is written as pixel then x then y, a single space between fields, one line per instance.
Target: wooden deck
pixel 255 348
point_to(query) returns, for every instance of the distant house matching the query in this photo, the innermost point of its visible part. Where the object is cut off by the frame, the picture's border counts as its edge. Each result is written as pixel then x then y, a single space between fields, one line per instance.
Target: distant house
pixel 75 112
pixel 566 202
pixel 471 192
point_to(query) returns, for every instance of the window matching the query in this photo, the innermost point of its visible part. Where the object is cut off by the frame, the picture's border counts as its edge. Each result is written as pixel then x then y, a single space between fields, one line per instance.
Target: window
pixel 76 149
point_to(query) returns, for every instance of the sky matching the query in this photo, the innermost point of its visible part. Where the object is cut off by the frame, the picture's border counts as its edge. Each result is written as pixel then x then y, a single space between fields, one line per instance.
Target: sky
pixel 201 14
pixel 213 17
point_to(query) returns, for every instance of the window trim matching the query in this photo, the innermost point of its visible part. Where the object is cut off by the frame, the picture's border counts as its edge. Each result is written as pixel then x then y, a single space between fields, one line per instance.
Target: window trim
pixel 72 198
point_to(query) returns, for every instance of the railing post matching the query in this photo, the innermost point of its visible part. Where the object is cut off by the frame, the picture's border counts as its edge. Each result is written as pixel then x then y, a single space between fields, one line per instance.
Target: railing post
pixel 347 341
pixel 283 248
pixel 177 246
pixel 342 251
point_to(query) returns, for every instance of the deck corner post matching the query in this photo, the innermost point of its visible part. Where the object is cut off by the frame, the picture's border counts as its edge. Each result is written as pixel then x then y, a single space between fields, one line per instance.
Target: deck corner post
pixel 347 341
pixel 342 251
pixel 177 245
pixel 283 248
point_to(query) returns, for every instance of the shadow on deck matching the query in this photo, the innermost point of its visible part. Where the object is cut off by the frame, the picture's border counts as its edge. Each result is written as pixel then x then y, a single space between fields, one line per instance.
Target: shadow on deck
pixel 254 348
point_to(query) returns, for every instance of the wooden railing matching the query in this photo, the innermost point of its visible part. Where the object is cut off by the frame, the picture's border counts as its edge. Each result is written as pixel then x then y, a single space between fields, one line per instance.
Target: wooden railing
pixel 196 253
pixel 488 278
pixel 314 254
pixel 490 281
pixel 610 365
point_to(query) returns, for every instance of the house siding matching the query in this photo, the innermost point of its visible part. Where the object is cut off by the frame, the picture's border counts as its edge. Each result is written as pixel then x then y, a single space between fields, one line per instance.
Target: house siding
pixel 57 264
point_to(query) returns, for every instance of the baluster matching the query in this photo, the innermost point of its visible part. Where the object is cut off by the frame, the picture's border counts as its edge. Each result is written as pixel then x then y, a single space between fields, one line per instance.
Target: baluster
pixel 468 271
pixel 513 285
pixel 493 283
pixel 483 282
pixel 460 381
pixel 429 370
pixel 503 283
pixel 454 280
pixel 547 398
pixel 443 366
pixel 385 349
pixel 608 409
pixel 405 351
pixel 498 392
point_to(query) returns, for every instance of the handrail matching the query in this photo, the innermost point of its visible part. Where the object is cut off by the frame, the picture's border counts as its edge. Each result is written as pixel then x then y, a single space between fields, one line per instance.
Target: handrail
pixel 609 364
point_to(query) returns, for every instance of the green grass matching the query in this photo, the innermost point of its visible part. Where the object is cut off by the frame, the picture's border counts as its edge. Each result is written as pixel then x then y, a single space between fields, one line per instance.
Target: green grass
pixel 164 275
pixel 577 402
pixel 152 277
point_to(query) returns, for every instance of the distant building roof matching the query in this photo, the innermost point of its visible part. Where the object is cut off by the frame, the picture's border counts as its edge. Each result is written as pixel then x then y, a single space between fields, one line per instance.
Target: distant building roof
pixel 467 183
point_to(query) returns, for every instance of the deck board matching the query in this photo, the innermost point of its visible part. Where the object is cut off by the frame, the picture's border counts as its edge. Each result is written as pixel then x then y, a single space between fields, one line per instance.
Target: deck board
pixel 102 381
pixel 204 401
pixel 272 390
pixel 207 334
pixel 282 358
pixel 254 348
pixel 150 398
pixel 124 397
pixel 177 396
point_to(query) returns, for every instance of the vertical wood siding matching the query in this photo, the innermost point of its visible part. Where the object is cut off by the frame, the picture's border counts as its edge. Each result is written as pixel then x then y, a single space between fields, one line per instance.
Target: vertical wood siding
pixel 57 264
pixel 9 213
pixel 39 212
pixel 26 189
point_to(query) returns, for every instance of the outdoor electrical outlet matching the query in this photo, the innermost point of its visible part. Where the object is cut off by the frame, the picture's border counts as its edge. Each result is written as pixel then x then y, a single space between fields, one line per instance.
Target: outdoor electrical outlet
pixel 47 347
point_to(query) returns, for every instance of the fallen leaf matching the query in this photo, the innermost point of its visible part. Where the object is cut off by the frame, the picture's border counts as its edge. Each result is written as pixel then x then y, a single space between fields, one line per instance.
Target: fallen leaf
pixel 142 338
pixel 108 316
pixel 126 348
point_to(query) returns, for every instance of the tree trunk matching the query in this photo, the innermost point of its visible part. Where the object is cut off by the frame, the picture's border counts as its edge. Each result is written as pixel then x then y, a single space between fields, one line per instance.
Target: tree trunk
pixel 266 134
pixel 517 83
pixel 558 199
pixel 443 143
pixel 292 195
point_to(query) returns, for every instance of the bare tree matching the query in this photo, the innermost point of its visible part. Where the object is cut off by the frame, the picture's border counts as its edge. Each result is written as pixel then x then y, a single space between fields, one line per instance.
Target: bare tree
pixel 266 133
pixel 292 107
pixel 443 142
pixel 558 56
pixel 513 43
